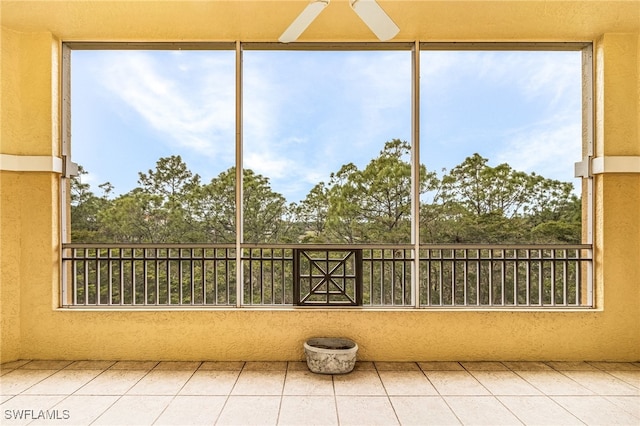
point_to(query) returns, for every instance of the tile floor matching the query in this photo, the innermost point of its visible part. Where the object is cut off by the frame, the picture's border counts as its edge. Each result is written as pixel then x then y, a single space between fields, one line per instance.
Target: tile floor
pixel 286 393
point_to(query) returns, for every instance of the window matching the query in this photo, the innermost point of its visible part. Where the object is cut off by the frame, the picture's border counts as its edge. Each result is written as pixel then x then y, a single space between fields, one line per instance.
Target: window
pixel 314 123
pixel 500 131
pixel 151 129
pixel 325 138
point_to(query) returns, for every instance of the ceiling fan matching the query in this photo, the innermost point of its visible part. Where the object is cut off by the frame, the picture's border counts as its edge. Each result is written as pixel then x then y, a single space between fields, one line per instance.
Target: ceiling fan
pixel 368 10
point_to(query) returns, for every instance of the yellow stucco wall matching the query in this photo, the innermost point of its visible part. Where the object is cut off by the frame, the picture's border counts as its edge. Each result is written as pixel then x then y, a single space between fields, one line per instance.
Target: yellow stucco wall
pixel 32 327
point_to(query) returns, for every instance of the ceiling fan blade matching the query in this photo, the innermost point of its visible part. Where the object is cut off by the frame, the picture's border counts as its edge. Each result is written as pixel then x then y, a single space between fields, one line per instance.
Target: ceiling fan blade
pixel 303 20
pixel 375 18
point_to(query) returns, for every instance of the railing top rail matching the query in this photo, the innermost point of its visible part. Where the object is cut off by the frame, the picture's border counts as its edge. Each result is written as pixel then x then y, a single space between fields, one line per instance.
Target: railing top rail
pixel 144 245
pixel 506 246
pixel 329 246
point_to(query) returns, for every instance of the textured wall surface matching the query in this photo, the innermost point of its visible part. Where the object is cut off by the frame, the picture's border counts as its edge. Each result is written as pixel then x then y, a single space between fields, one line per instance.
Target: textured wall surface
pixel 32 326
pixel 265 20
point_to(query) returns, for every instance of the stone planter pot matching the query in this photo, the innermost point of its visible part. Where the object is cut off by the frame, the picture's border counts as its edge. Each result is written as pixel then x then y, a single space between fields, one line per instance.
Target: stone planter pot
pixel 330 355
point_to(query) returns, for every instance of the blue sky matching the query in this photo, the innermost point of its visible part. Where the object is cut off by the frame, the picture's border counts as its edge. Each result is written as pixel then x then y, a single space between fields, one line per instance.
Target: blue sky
pixel 308 113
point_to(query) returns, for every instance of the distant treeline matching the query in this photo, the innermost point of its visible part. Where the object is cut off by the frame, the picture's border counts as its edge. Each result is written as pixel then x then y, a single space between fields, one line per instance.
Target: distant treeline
pixel 471 203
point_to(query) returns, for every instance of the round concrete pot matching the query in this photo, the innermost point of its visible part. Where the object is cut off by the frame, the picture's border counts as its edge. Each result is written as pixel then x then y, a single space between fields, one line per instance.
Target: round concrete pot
pixel 330 355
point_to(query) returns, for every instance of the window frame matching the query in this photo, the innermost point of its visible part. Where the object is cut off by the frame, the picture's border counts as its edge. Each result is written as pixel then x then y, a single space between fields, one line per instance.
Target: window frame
pixel 415 47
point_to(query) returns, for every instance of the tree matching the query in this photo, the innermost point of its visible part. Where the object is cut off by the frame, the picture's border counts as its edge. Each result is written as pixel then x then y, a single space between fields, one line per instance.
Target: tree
pixel 311 215
pixel 369 205
pixel 560 223
pixel 85 208
pixel 264 209
pixel 478 203
pixel 471 203
pixel 171 193
pixel 160 210
pixel 171 179
pixel 135 218
pixel 216 208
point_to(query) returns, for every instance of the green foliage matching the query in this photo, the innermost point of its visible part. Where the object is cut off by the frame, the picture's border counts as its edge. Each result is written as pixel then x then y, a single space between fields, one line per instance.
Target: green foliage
pixel 215 209
pixel 369 205
pixel 160 210
pixel 86 208
pixel 477 203
pixel 471 203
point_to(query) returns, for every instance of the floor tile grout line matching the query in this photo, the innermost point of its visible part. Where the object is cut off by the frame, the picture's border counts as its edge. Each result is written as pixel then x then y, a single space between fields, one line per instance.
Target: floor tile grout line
pixel 439 394
pixel 634 414
pixel 86 384
pixel 138 381
pixel 386 392
pixel 335 399
pixel 491 394
pixel 617 379
pixel 451 409
pixel 4 364
pixel 507 408
pixel 175 395
pixel 107 408
pixel 112 366
pixel 479 382
pixel 38 382
pixel 68 367
pixel 226 400
pixel 70 394
pixel 431 383
pixel 472 370
pixel 637 387
pixel 551 397
pixel 578 383
pixel 284 382
pixel 122 394
pixel 35 420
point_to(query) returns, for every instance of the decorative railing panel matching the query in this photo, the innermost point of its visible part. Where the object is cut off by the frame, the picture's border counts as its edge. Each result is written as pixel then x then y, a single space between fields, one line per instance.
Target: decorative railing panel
pixel 445 276
pixel 327 277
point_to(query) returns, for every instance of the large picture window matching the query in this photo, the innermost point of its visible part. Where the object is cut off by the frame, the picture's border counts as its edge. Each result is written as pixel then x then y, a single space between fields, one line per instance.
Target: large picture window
pixel 445 172
pixel 322 126
pixel 501 131
pixel 153 132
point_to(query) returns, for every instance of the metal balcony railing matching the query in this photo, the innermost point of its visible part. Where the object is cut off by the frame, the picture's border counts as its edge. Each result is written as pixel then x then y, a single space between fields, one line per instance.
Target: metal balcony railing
pixel 444 276
pixel 506 276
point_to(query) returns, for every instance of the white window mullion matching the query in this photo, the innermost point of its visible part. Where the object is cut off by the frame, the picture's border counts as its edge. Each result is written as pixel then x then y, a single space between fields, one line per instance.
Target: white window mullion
pixel 239 175
pixel 415 173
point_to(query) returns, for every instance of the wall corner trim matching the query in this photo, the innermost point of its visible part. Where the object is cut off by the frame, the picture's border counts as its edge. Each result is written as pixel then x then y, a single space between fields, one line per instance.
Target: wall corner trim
pixel 30 163
pixel 615 164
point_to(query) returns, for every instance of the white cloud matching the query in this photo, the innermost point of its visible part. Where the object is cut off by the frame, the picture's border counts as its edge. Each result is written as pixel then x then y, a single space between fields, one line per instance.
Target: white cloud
pixel 307 113
pixel 187 100
pixel 543 134
pixel 262 108
pixel 549 148
pixel 548 74
pixel 273 167
pixel 382 87
pixel 552 143
pixel 557 77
